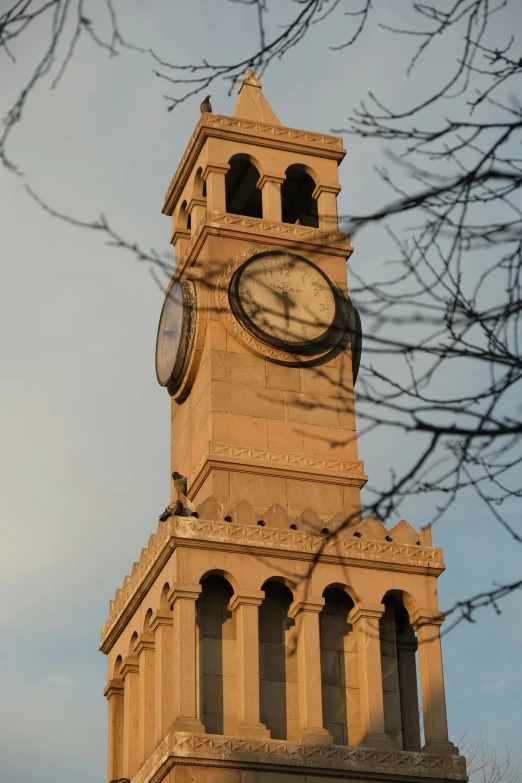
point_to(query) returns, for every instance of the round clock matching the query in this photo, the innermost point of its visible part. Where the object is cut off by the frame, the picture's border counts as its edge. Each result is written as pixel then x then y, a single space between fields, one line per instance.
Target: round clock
pixel 175 334
pixel 286 301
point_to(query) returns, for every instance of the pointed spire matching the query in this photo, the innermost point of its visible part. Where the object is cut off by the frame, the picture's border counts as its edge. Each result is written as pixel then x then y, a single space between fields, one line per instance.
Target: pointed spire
pixel 252 104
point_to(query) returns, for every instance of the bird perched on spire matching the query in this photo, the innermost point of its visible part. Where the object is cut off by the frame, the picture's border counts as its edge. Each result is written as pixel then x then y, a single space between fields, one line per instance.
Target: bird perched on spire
pixel 205 105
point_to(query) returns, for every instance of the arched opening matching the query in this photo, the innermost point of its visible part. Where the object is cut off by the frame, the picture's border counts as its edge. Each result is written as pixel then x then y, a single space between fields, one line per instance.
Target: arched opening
pixel 243 197
pixel 217 656
pixel 164 598
pixel 297 203
pixel 278 689
pixel 116 672
pixel 339 668
pixel 200 186
pixel 146 624
pixel 183 221
pixel 134 639
pixel 399 675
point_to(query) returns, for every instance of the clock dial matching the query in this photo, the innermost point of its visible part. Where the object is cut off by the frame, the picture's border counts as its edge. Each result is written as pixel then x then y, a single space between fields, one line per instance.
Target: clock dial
pixel 174 333
pixel 285 299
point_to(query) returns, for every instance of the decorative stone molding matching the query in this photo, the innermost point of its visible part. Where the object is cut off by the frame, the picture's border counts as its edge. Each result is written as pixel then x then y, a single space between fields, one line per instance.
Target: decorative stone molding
pixel 214 166
pixel 333 242
pixel 351 550
pixel 144 642
pixel 342 761
pixel 248 597
pixel 326 187
pixel 426 617
pixel 309 604
pixel 113 688
pixel 365 609
pixel 130 665
pixel 269 178
pixel 282 463
pixel 183 591
pixel 160 618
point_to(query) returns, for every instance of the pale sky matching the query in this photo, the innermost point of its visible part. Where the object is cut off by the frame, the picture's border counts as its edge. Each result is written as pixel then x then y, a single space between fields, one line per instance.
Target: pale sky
pixel 84 425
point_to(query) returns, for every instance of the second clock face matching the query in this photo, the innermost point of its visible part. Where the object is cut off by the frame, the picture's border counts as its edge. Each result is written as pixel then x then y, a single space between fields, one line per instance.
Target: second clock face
pixel 286 299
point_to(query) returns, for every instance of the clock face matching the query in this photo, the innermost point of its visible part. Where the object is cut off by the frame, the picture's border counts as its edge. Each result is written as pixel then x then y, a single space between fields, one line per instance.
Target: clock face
pixel 285 299
pixel 171 344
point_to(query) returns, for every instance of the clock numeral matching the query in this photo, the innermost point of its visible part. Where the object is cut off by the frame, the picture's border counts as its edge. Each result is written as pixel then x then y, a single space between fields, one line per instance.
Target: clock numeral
pixel 285 271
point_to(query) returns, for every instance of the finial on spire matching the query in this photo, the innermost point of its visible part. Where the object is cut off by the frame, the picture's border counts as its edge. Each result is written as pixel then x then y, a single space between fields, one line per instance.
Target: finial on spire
pixel 250 79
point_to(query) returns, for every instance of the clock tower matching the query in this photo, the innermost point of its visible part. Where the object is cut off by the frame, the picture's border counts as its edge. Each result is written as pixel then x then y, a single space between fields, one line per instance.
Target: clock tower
pixel 267 633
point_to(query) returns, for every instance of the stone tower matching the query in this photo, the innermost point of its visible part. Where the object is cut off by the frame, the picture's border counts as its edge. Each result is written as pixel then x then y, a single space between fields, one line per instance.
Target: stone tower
pixel 267 633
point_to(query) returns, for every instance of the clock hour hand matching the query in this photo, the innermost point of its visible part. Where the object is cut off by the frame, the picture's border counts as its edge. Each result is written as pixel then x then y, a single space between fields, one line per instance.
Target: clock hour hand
pixel 287 304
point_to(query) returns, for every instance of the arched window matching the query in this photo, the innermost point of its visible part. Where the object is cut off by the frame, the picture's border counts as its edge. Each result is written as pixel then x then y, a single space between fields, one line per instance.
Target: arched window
pixel 297 203
pixel 183 221
pixel 200 186
pixel 243 197
pixel 278 689
pixel 217 656
pixel 339 669
pixel 399 675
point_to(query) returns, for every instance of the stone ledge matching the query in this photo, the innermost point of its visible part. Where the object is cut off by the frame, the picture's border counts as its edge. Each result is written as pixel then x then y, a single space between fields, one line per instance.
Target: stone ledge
pixel 278 755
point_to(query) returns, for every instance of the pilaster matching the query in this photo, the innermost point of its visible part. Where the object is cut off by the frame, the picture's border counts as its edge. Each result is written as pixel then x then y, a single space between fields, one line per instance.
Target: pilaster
pixel 144 649
pixel 245 604
pixel 427 624
pixel 309 669
pixel 184 597
pixel 365 619
pixel 114 695
pixel 161 625
pixel 131 713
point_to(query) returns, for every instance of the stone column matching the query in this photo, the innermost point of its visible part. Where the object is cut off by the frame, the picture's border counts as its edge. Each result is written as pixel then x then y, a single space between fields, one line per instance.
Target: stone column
pixel 406 649
pixel 270 186
pixel 214 176
pixel 326 196
pixel 161 625
pixel 180 239
pixel 197 207
pixel 245 604
pixel 144 649
pixel 309 670
pixel 114 695
pixel 365 619
pixel 184 597
pixel 427 622
pixel 130 674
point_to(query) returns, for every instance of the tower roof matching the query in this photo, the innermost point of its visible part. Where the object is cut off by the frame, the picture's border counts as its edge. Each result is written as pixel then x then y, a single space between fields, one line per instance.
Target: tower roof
pixel 252 104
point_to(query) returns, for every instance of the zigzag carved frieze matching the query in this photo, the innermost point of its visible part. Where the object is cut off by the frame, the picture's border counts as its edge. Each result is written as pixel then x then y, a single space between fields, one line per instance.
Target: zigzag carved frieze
pixel 315 235
pixel 302 460
pixel 349 548
pixel 298 754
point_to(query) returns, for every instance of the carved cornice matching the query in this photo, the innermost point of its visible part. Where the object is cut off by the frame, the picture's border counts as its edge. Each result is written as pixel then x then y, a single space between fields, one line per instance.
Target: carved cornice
pixel 285 234
pixel 228 536
pixel 271 755
pixel 281 463
pixel 261 133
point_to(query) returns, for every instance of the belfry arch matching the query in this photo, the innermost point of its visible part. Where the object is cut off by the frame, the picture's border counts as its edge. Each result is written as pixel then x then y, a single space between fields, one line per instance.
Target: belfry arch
pixel 243 196
pixel 298 204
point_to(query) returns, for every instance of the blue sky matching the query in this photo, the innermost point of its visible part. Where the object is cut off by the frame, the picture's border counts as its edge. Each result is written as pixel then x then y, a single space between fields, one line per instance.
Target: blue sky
pixel 85 428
